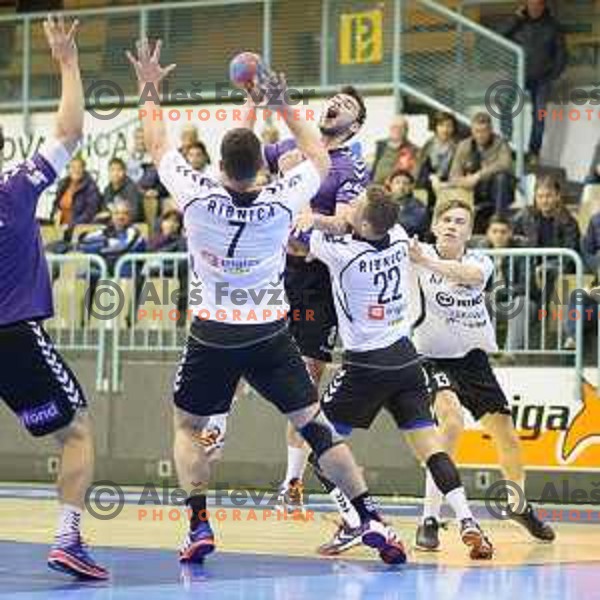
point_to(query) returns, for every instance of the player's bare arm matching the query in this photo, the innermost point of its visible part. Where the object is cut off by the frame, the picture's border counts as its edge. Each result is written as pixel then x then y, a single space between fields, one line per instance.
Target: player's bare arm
pixel 452 269
pixel 308 140
pixel 150 73
pixel 69 118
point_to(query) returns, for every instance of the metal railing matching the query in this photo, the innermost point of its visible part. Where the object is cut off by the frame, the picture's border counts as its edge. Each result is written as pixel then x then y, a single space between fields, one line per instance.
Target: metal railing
pixel 531 294
pixel 153 313
pixel 418 48
pixel 73 327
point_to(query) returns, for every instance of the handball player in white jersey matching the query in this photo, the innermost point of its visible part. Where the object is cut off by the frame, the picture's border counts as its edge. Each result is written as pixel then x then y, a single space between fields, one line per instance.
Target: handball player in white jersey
pixel 372 282
pixel 455 334
pixel 237 236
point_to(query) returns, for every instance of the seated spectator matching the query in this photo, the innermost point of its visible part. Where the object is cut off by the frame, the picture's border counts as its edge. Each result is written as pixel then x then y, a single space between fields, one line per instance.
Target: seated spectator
pixel 590 247
pixel 483 163
pixel 197 156
pixel 116 239
pixel 170 238
pixel 509 284
pixel 547 224
pixel 120 186
pixel 189 137
pixel 78 198
pixel 413 213
pixel 435 158
pixel 594 174
pixel 138 157
pixel 394 153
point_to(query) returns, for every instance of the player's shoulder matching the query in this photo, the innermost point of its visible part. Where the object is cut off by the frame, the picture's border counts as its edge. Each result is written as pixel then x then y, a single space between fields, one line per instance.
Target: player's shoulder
pixel 477 256
pixel 398 234
pixel 346 162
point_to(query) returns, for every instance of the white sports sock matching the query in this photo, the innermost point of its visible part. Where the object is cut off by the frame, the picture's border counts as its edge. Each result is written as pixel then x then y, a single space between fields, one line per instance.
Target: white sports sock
pixel 296 463
pixel 458 501
pixel 432 503
pixel 345 508
pixel 69 522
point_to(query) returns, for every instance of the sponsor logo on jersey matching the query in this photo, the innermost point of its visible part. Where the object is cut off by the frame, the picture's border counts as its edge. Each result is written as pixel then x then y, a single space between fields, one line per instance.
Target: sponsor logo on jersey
pixel 376 312
pixel 446 300
pixel 237 266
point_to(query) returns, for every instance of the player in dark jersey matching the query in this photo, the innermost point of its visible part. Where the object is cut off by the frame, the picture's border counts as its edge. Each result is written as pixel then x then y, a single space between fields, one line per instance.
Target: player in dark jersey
pixel 371 275
pixel 35 382
pixel 236 239
pixel 455 335
pixel 307 284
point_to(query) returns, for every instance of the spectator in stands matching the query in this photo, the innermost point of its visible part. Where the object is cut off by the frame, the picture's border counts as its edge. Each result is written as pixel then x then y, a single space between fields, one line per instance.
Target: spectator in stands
pixel 197 156
pixel 538 33
pixel 590 247
pixel 483 163
pixel 413 213
pixel 141 169
pixel 394 153
pixel 116 239
pixel 435 158
pixel 547 224
pixel 170 238
pixel 78 198
pixel 594 174
pixel 189 137
pixel 509 285
pixel 120 186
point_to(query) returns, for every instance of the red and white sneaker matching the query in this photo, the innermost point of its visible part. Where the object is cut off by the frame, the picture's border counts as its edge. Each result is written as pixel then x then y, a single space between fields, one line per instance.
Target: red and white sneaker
pixel 383 538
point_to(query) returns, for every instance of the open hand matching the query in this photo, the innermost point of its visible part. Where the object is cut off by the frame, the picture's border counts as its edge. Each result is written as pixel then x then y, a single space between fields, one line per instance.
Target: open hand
pixel 147 64
pixel 62 42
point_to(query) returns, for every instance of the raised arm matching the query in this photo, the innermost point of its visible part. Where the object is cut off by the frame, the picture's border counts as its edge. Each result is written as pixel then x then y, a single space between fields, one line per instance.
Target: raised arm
pixel 69 118
pixel 308 140
pixel 150 74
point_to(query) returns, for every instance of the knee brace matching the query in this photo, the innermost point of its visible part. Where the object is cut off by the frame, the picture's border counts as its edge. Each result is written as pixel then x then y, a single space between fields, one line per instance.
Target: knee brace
pixel 320 435
pixel 444 472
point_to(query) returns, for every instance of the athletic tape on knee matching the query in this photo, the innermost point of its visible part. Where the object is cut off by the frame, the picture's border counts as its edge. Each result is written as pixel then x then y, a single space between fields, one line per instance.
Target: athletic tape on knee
pixel 320 434
pixel 444 472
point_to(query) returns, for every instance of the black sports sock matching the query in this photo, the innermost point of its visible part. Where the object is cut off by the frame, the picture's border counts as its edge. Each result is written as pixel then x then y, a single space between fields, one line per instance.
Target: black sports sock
pixel 198 505
pixel 366 508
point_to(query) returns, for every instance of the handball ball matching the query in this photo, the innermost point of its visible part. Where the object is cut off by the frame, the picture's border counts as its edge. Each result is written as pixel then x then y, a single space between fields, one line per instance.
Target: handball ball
pixel 243 69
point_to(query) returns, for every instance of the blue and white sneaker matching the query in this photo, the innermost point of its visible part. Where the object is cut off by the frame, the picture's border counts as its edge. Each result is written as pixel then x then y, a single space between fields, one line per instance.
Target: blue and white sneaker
pixel 71 556
pixel 383 538
pixel 343 539
pixel 197 544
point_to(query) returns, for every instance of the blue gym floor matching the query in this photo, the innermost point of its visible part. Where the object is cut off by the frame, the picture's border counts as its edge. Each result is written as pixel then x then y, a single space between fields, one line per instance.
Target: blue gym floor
pixel 143 573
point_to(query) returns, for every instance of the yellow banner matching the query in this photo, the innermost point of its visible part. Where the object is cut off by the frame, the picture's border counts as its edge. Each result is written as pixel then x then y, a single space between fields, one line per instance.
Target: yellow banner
pixel 361 37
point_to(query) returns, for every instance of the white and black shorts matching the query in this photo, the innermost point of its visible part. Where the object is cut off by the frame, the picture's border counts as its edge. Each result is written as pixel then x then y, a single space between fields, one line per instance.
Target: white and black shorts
pixel 35 382
pixel 472 379
pixel 217 355
pixel 390 378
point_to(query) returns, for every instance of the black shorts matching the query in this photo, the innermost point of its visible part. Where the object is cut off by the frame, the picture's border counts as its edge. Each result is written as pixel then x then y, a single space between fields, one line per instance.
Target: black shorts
pixel 391 378
pixel 312 317
pixel 35 382
pixel 472 379
pixel 218 355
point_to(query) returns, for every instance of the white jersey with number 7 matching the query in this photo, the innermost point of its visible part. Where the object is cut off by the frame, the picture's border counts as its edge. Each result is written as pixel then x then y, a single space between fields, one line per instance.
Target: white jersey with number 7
pixel 237 241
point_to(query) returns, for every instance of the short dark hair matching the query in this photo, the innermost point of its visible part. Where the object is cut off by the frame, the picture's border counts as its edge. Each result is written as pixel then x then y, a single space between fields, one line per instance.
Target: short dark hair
pixel 481 118
pixel 241 153
pixel 350 90
pixel 440 116
pixel 549 182
pixel 400 173
pixel 117 161
pixel 202 147
pixel 382 210
pixel 499 219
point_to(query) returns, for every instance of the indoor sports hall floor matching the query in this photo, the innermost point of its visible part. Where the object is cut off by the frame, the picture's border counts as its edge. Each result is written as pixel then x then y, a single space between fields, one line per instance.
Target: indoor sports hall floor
pixel 270 560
